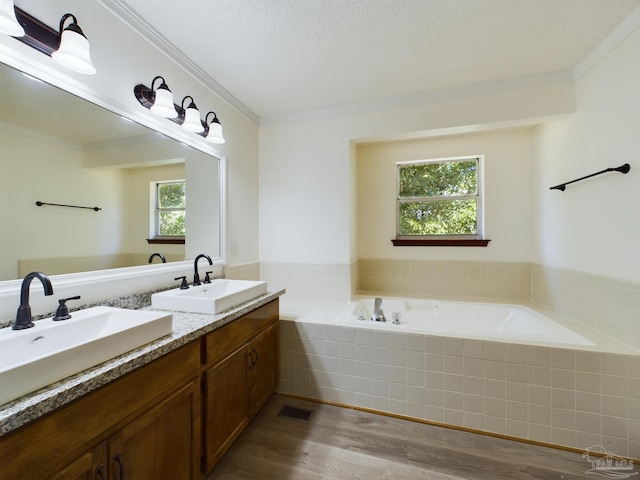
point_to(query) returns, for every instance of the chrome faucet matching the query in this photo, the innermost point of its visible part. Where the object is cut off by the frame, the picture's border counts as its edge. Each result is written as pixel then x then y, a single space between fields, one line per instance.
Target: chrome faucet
pixel 23 318
pixel 196 276
pixel 159 255
pixel 378 314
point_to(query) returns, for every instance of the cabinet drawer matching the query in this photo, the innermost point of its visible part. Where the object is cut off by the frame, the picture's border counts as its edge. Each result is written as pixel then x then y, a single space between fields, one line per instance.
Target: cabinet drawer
pixel 225 340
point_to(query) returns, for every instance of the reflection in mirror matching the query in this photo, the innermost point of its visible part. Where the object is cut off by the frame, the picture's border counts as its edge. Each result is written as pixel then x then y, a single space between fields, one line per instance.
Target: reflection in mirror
pixel 58 148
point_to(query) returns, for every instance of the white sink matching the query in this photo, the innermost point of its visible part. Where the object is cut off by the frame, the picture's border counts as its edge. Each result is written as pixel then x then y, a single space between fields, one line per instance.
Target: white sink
pixel 50 351
pixel 214 297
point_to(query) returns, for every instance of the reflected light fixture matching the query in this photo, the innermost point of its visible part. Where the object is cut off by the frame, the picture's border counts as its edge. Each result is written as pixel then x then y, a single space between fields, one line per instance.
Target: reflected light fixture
pixel 214 135
pixel 192 122
pixel 73 51
pixel 9 24
pixel 163 100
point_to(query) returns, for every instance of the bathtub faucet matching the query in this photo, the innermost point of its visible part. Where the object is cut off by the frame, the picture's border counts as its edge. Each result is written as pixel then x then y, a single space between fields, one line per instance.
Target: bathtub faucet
pixel 378 314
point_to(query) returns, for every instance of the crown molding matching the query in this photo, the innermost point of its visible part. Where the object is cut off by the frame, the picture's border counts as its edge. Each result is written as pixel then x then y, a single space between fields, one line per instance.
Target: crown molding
pixel 138 24
pixel 611 41
pixel 425 98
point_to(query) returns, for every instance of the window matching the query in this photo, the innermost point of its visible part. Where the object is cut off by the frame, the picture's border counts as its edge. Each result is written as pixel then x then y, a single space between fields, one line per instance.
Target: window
pixel 440 200
pixel 169 210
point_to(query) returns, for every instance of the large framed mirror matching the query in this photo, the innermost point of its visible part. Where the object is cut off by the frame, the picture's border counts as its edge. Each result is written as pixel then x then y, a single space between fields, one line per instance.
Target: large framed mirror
pixel 61 149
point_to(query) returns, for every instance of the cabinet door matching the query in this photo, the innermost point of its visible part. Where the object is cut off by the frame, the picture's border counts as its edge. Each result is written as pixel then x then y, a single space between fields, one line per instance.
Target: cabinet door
pixel 162 443
pixel 265 370
pixel 227 408
pixel 90 466
pixel 81 469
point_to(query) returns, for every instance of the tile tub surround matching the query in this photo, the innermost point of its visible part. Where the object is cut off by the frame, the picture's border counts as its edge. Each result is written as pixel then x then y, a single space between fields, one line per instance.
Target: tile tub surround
pixel 562 397
pixel 607 305
pixel 186 328
pixel 443 279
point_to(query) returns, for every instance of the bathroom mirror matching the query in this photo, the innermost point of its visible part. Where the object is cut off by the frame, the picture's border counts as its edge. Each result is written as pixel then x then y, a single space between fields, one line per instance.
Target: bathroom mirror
pixel 61 149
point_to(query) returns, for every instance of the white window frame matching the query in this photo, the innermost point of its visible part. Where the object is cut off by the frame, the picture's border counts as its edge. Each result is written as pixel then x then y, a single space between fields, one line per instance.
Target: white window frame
pixel 155 210
pixel 479 197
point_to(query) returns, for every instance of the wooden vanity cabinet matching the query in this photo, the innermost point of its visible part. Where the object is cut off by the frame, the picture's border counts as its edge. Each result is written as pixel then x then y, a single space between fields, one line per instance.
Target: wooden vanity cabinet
pixel 151 417
pixel 170 419
pixel 241 373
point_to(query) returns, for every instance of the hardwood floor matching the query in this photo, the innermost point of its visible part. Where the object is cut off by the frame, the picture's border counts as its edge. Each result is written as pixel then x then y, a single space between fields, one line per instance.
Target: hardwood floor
pixel 340 443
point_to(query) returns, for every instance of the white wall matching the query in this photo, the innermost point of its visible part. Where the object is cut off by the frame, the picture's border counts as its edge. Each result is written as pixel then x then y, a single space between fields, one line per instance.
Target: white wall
pixel 593 226
pixel 507 185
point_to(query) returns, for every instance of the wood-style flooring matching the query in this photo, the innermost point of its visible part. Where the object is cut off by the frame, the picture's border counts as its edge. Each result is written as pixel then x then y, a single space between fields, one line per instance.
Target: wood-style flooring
pixel 341 443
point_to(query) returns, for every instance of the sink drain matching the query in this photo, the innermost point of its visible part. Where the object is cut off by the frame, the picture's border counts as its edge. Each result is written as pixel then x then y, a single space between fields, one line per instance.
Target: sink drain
pixel 295 413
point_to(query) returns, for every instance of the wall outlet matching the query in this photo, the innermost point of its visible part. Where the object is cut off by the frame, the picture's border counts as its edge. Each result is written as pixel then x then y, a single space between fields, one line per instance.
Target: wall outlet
pixel 234 247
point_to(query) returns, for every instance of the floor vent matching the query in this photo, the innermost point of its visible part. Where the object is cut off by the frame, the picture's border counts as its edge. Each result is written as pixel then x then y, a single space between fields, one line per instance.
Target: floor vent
pixel 295 413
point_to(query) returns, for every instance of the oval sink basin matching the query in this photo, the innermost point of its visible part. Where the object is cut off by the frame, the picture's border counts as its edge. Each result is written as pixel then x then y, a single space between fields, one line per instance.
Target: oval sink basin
pixel 50 351
pixel 215 297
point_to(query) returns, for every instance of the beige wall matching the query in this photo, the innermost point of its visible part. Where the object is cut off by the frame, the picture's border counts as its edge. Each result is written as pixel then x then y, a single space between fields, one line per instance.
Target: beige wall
pixel 507 185
pixel 51 170
pixel 29 231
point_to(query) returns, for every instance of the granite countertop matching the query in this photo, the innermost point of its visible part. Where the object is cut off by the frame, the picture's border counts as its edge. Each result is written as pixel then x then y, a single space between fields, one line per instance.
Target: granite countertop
pixel 186 328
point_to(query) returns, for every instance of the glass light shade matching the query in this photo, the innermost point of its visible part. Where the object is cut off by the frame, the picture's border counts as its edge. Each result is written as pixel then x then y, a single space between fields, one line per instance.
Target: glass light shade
pixel 192 121
pixel 8 21
pixel 163 103
pixel 215 132
pixel 73 51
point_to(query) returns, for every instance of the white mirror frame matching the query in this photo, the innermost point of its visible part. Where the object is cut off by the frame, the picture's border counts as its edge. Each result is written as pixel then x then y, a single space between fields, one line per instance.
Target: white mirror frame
pixel 112 282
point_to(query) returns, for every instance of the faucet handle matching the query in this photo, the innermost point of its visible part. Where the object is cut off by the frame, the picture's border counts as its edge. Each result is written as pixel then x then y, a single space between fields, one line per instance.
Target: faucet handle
pixel 63 312
pixel 184 285
pixel 207 278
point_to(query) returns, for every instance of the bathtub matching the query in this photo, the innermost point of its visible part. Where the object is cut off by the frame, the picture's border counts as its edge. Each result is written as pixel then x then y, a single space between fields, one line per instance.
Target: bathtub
pixel 482 321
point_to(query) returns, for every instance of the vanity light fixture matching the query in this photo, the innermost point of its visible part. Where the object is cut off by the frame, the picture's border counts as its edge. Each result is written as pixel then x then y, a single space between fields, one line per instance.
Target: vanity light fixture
pixel 73 51
pixel 214 135
pixel 192 122
pixel 188 117
pixel 163 100
pixel 68 47
pixel 9 24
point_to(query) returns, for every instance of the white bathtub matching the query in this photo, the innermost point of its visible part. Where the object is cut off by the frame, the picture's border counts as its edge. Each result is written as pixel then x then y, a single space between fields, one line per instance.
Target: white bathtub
pixel 483 321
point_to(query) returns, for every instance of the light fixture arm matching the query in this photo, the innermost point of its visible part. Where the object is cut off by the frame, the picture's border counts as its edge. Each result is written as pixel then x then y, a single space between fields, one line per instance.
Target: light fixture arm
pixel 215 118
pixel 192 102
pixel 73 26
pixel 153 82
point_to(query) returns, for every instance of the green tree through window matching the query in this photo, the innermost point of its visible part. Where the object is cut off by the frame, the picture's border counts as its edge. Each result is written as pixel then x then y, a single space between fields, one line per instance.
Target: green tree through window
pixel 171 209
pixel 439 197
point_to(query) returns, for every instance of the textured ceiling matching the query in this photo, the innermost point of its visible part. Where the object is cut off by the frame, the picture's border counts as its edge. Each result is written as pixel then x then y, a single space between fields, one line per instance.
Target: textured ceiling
pixel 279 57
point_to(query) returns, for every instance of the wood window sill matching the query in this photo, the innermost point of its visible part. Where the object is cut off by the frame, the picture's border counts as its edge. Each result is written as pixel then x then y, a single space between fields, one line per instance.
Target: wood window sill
pixel 165 241
pixel 432 242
